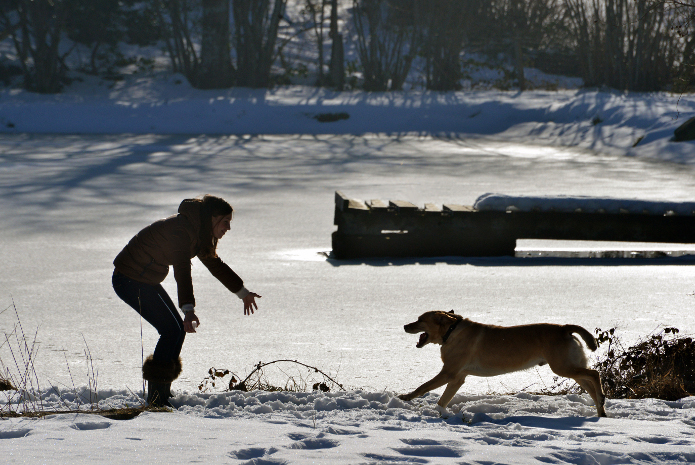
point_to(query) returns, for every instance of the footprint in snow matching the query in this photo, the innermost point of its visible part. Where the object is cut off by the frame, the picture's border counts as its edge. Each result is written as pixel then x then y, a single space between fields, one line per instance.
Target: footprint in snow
pixel 90 425
pixel 304 441
pixel 264 461
pixel 523 439
pixel 488 440
pixel 14 433
pixel 582 456
pixel 314 443
pixel 420 442
pixel 379 458
pixel 252 453
pixel 340 432
pixel 297 436
pixel 653 439
pixel 392 428
pixel 426 448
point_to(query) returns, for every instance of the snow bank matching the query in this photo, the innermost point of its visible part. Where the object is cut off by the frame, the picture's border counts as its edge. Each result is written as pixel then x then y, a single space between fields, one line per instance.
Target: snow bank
pixel 499 202
pixel 607 122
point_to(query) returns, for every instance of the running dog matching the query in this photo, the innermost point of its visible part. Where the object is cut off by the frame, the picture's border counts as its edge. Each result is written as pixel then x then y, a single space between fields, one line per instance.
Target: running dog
pixel 470 348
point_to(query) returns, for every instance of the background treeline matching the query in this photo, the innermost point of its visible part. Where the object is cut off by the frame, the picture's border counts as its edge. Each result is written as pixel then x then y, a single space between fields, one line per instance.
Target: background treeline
pixel 641 45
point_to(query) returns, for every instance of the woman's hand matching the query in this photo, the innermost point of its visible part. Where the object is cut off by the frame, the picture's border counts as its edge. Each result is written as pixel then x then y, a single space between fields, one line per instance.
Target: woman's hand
pixel 250 303
pixel 188 322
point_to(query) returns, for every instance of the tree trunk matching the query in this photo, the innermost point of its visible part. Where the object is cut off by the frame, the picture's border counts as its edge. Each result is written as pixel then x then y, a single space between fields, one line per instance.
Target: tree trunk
pixel 37 37
pixel 216 70
pixel 519 64
pixel 336 68
pixel 256 34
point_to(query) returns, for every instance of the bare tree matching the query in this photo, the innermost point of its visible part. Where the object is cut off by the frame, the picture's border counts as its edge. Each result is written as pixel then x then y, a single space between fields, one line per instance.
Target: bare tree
pixel 629 44
pixel 96 24
pixel 256 30
pixel 317 10
pixel 215 70
pixel 36 27
pixel 336 67
pixel 337 64
pixel 683 14
pixel 177 19
pixel 445 26
pixel 386 42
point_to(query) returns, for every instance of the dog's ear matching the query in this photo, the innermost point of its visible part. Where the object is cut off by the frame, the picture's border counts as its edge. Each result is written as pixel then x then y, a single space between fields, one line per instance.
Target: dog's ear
pixel 451 311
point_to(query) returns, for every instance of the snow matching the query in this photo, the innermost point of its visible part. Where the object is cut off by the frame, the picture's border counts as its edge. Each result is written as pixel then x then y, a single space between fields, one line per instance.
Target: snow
pixel 82 171
pixel 611 122
pixel 586 204
pixel 363 427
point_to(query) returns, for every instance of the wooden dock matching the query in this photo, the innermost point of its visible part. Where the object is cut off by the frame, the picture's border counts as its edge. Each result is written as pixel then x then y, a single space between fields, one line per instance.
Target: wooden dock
pixel 397 228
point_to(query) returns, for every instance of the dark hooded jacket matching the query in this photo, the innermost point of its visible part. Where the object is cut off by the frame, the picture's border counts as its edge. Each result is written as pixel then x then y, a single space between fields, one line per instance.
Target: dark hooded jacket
pixel 173 241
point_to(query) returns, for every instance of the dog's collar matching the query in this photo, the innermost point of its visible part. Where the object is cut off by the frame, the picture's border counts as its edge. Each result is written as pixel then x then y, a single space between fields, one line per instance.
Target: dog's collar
pixel 449 331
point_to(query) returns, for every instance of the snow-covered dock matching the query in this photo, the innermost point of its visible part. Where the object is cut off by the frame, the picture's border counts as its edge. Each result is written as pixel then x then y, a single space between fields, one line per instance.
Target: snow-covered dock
pixel 491 227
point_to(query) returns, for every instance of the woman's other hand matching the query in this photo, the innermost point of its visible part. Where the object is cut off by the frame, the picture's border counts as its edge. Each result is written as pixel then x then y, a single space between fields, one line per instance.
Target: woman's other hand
pixel 250 303
pixel 190 322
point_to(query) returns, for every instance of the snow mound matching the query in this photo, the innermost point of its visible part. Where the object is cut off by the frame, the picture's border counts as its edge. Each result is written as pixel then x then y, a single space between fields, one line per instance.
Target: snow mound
pixel 568 204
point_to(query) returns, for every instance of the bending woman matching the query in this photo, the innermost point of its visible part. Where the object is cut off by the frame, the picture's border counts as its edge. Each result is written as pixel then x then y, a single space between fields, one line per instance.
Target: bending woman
pixel 144 263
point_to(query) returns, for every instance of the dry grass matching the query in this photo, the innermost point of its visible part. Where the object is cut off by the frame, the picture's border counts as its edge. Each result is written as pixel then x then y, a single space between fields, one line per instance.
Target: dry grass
pixel 23 392
pixel 304 379
pixel 660 366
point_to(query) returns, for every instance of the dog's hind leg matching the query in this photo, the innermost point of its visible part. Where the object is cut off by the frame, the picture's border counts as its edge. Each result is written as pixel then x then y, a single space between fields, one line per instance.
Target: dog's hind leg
pixel 589 388
pixel 439 380
pixel 590 381
pixel 592 378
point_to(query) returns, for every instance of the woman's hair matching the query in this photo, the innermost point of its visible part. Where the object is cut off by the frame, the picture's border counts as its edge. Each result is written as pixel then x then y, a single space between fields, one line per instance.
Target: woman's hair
pixel 211 206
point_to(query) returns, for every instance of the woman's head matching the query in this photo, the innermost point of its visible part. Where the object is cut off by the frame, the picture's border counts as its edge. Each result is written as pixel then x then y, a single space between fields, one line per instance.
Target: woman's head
pixel 215 218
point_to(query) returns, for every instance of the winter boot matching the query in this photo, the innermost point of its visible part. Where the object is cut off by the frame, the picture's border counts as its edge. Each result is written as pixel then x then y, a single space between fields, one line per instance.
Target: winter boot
pixel 159 376
pixel 158 394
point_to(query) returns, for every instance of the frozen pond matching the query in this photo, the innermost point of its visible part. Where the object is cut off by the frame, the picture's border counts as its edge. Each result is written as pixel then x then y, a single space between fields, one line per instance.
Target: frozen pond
pixel 70 203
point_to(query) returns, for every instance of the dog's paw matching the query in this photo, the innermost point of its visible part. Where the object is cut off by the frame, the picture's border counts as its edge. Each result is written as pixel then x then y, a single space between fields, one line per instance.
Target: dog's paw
pixel 405 397
pixel 443 412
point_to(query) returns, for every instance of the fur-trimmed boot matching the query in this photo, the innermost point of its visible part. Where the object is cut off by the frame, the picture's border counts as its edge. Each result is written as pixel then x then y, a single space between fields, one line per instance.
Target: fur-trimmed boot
pixel 159 377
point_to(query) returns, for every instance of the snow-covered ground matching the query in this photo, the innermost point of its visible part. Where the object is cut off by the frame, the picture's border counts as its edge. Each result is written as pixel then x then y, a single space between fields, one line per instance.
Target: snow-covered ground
pixel 364 427
pixel 618 123
pixel 82 171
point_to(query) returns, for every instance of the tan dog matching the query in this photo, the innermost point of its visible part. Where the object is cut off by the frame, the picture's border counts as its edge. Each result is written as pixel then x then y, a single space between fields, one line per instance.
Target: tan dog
pixel 470 348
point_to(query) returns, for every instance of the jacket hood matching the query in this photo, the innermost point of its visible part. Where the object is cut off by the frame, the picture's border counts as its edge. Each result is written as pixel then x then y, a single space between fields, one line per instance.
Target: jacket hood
pixel 191 209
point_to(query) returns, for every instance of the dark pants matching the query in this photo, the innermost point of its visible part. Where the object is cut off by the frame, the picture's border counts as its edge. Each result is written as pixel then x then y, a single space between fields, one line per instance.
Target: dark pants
pixel 155 306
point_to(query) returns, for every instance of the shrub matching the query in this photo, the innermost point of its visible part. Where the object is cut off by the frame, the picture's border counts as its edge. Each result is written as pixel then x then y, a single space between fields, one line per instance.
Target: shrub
pixel 660 366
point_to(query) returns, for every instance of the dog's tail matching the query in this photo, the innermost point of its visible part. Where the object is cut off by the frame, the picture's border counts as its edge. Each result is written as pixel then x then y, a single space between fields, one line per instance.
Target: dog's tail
pixel 586 335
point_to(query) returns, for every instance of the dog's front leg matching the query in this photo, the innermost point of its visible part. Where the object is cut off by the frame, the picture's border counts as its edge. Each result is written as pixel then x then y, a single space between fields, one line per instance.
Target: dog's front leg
pixel 449 394
pixel 450 391
pixel 440 380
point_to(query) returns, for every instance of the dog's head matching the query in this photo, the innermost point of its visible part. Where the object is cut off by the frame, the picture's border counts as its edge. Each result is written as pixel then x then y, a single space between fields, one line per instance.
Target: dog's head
pixel 433 326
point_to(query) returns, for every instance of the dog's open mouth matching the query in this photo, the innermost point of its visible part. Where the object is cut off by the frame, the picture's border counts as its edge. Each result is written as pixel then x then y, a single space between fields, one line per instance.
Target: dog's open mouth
pixel 423 340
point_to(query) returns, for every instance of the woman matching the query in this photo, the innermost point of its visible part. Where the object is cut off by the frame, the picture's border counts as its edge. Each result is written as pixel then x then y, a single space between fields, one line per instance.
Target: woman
pixel 144 263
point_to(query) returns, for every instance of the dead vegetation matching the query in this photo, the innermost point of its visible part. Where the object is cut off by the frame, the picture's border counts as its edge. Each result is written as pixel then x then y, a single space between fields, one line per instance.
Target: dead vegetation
pixel 660 366
pixel 261 379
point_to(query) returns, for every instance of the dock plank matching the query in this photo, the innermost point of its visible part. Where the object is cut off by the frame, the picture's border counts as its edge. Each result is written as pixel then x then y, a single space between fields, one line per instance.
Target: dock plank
pixel 376 204
pixel 343 202
pixel 453 208
pixel 402 205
